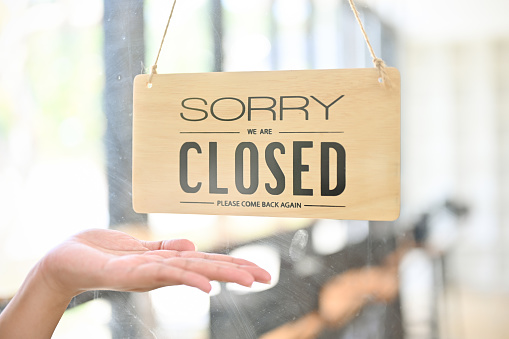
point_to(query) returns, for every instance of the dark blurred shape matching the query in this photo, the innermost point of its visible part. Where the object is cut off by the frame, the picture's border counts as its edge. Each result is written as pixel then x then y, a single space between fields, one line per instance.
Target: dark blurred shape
pixel 421 230
pixel 124 52
pixel 458 209
pixel 251 315
pixel 217 28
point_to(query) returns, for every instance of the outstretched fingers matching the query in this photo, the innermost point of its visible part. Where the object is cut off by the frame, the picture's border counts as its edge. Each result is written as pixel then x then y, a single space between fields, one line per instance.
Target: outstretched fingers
pixel 218 257
pixel 214 270
pixel 150 274
pixel 258 273
pixel 159 274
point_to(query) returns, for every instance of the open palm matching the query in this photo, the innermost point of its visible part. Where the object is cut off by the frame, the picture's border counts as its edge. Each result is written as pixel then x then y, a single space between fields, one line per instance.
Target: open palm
pixel 112 260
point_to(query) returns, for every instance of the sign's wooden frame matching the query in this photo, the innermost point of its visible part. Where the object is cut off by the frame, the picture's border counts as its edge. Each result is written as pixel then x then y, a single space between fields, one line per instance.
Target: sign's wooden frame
pixel 316 144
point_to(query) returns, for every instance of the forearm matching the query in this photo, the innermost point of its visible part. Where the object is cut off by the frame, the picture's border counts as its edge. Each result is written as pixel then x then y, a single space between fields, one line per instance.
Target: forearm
pixel 35 310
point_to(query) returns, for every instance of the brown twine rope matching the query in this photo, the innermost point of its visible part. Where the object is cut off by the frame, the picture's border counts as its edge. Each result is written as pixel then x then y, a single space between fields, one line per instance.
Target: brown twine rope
pixel 153 70
pixel 379 63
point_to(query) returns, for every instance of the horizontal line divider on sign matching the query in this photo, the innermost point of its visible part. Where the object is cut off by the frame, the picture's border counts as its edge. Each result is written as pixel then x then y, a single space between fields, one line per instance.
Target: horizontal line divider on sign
pixel 311 132
pixel 198 202
pixel 209 132
pixel 322 206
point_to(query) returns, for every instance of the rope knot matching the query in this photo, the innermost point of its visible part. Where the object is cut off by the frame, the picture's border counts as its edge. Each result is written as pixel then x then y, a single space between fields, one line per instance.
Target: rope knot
pixel 382 72
pixel 153 70
pixel 379 63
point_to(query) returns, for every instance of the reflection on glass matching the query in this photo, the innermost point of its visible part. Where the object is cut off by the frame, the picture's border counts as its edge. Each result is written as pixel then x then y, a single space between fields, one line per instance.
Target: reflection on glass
pixel 264 256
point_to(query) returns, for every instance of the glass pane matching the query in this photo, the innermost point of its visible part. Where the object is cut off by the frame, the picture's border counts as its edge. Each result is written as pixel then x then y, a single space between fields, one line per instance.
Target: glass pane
pixel 440 271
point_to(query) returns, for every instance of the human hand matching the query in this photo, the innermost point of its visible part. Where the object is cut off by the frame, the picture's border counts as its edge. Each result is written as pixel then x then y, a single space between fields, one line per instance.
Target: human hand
pixel 111 260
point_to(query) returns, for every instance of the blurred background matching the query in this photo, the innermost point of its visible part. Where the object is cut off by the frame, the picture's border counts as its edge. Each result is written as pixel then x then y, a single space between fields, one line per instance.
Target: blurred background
pixel 65 121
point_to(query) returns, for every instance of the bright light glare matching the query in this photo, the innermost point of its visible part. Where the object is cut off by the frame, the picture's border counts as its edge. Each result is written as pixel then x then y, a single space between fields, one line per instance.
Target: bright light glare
pixel 89 320
pixel 161 223
pixel 43 16
pixel 182 309
pixel 247 52
pixel 291 12
pixel 329 236
pixel 264 256
pixel 358 231
pixel 416 291
pixel 71 131
pixel 241 6
pixel 85 13
pixel 216 288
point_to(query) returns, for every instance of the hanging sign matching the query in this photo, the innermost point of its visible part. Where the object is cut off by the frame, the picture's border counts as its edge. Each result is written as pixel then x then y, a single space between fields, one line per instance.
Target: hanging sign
pixel 311 143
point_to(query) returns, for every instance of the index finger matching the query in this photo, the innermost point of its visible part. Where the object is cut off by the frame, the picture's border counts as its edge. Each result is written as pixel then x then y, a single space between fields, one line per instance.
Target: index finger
pixel 218 257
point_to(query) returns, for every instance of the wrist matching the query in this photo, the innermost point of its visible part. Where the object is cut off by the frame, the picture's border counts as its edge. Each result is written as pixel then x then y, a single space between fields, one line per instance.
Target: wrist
pixel 35 310
pixel 50 280
pixel 49 285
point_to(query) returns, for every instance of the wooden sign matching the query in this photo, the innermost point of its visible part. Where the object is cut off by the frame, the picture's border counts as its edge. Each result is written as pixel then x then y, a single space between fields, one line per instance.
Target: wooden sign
pixel 317 144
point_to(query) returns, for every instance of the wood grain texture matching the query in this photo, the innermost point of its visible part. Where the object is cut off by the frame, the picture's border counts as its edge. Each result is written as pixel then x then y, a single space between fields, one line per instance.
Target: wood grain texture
pixel 365 121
